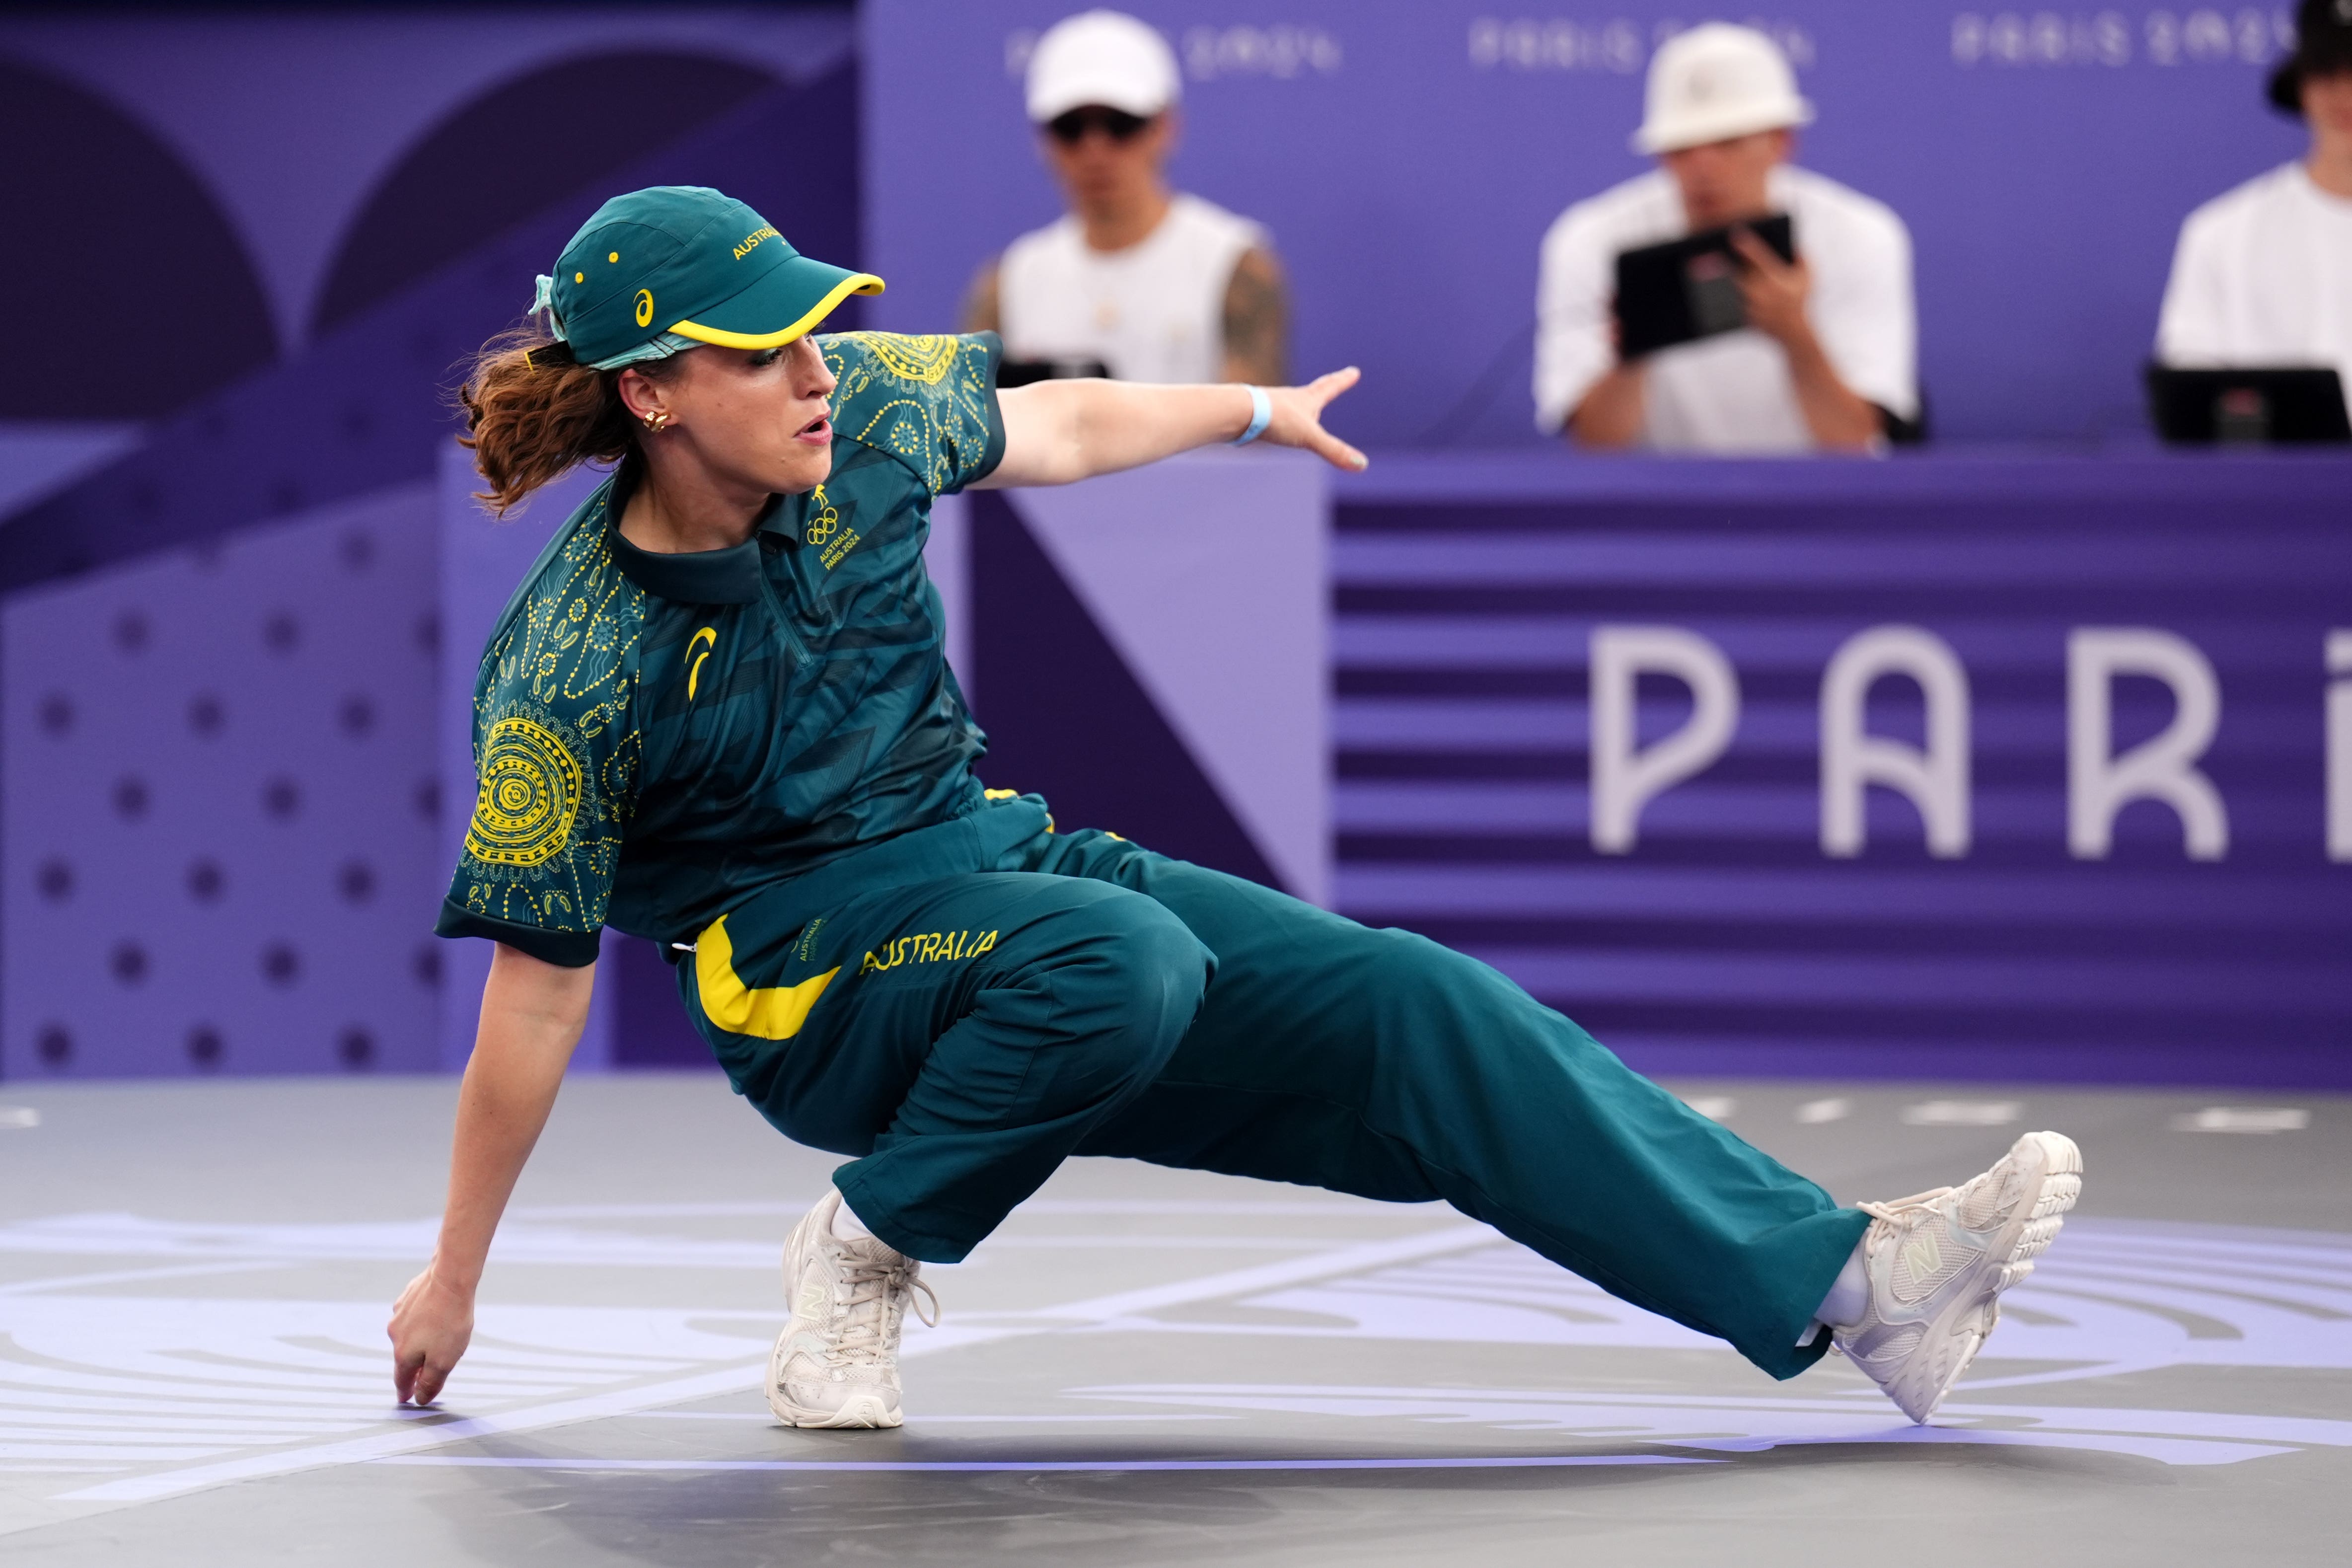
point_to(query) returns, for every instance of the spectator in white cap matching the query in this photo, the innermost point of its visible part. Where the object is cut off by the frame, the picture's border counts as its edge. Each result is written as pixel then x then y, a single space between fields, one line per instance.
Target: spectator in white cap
pixel 1827 360
pixel 2262 275
pixel 1152 284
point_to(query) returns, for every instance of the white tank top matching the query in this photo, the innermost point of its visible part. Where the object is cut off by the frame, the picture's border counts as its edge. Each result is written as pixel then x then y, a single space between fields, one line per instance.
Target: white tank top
pixel 1154 312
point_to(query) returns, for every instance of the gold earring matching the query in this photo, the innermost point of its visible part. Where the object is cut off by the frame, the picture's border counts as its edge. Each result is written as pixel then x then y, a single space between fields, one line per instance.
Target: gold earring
pixel 658 420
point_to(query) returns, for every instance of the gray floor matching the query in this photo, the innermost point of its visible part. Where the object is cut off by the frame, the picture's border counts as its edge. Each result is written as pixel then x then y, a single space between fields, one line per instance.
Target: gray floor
pixel 1144 1367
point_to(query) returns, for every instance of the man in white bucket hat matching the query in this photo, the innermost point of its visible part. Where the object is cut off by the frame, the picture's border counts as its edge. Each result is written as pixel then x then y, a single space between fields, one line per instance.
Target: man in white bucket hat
pixel 1827 360
pixel 1152 284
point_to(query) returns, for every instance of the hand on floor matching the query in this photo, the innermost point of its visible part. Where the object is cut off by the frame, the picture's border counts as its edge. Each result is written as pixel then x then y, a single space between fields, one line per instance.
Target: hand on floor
pixel 431 1325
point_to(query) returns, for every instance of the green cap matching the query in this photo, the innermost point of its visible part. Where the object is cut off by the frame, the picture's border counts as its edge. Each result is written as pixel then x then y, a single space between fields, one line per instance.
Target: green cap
pixel 685 262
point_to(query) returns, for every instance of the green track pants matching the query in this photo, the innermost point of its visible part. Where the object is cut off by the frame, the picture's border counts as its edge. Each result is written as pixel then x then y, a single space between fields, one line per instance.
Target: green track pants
pixel 963 1033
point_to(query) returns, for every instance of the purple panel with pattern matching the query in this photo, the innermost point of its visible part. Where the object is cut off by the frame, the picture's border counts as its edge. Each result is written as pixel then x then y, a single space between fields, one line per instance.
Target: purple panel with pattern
pixel 218 709
pixel 220 788
pixel 369 406
pixel 306 161
pixel 1067 719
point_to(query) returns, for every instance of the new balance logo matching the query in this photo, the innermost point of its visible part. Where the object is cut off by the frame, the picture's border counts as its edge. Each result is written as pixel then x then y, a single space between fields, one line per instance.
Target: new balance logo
pixel 1921 1255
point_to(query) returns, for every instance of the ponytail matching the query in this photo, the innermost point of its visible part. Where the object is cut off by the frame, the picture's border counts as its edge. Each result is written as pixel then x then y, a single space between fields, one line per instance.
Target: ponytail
pixel 533 412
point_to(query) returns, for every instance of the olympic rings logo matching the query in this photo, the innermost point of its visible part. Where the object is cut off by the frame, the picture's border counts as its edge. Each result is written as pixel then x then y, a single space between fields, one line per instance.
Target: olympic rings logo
pixel 822 524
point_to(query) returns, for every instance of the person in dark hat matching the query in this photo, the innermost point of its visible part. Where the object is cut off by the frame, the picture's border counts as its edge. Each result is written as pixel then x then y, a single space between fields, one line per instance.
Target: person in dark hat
pixel 2323 48
pixel 2262 275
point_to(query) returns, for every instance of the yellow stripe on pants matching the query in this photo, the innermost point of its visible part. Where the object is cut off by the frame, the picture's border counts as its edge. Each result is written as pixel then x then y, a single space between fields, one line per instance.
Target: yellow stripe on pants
pixel 771 1012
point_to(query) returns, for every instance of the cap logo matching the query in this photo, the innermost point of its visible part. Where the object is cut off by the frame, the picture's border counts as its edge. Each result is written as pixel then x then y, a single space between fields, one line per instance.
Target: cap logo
pixel 645 306
pixel 753 241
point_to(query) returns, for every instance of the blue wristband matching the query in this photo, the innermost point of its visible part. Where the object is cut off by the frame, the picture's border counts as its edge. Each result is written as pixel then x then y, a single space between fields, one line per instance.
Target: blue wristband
pixel 1261 415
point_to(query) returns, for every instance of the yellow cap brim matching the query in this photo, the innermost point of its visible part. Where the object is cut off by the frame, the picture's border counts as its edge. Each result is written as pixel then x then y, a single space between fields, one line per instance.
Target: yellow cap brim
pixel 850 283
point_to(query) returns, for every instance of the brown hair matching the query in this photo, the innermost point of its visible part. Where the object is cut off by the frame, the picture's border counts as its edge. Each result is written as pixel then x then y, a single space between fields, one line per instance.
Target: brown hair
pixel 533 412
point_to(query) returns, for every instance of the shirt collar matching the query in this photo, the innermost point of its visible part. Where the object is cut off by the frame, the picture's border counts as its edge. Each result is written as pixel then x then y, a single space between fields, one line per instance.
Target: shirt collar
pixel 729 576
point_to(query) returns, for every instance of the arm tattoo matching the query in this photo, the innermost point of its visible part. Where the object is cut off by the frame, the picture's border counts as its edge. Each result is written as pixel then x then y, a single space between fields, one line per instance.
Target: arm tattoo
pixel 1257 320
pixel 979 312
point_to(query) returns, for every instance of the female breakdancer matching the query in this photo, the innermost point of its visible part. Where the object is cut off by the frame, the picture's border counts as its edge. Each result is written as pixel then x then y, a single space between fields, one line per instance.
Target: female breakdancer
pixel 717 714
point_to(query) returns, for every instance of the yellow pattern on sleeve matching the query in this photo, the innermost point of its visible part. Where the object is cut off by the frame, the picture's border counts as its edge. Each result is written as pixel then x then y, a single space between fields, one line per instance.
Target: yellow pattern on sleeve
pixel 555 754
pixel 926 400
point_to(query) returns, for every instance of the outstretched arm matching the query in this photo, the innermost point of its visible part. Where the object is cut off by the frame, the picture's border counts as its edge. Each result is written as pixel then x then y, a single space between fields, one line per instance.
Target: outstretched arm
pixel 532 1012
pixel 1056 432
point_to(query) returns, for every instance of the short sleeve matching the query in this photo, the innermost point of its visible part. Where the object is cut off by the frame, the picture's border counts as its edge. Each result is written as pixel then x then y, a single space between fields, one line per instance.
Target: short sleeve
pixel 1573 348
pixel 928 401
pixel 555 758
pixel 2192 328
pixel 1862 310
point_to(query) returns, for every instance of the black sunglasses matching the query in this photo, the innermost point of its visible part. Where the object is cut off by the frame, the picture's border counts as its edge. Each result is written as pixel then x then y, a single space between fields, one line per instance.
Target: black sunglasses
pixel 1070 128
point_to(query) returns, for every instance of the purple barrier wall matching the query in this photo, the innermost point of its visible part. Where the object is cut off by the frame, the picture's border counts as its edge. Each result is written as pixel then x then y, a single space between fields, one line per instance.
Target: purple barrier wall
pixel 1408 155
pixel 273 548
pixel 1711 928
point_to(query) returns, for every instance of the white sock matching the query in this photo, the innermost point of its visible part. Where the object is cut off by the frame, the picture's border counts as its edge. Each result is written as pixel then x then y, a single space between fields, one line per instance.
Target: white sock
pixel 1849 1298
pixel 847 1226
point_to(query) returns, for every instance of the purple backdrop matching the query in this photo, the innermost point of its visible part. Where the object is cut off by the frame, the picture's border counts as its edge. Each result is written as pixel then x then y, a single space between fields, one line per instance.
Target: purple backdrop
pixel 1408 154
pixel 221 842
pixel 220 652
pixel 309 162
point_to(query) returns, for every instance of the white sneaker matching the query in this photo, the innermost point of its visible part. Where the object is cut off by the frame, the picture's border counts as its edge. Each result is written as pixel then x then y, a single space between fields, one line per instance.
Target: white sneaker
pixel 1939 1261
pixel 836 1362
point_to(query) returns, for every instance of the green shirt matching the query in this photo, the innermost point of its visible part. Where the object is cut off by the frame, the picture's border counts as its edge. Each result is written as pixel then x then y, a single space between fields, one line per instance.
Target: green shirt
pixel 657 736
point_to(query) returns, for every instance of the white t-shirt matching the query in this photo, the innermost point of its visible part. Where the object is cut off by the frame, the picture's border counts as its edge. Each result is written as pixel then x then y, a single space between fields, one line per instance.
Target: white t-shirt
pixel 2262 276
pixel 1731 393
pixel 1153 312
